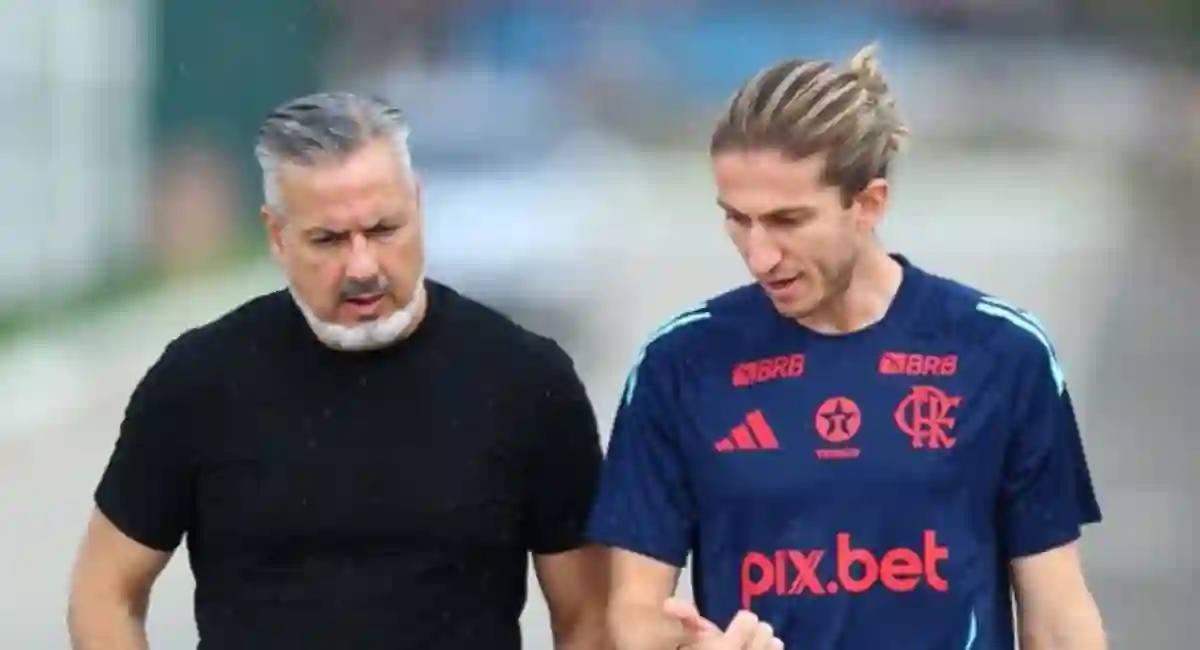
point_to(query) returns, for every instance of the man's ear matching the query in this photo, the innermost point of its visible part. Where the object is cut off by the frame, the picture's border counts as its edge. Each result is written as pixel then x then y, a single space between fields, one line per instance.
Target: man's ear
pixel 418 189
pixel 274 226
pixel 870 205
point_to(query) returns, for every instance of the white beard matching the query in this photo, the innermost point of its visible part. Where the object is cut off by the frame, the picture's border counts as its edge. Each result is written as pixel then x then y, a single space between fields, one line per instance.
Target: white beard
pixel 372 335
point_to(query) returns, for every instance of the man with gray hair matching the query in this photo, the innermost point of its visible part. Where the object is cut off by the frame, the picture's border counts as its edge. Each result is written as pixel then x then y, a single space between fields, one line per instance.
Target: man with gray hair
pixel 362 461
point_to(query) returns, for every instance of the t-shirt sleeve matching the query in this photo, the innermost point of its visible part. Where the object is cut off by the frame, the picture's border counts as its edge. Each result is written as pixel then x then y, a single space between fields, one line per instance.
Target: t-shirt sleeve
pixel 1047 495
pixel 645 504
pixel 147 488
pixel 566 461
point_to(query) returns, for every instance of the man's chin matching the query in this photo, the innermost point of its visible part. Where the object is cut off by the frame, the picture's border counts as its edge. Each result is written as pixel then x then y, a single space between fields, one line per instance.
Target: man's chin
pixel 799 311
pixel 356 331
pixel 373 334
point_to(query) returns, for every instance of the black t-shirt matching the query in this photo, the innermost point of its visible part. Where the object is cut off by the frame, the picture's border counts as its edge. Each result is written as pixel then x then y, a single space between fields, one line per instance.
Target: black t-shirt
pixel 357 501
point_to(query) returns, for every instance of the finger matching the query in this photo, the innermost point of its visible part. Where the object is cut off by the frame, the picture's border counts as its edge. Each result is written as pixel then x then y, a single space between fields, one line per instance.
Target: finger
pixel 695 631
pixel 687 614
pixel 690 632
pixel 764 635
pixel 694 625
pixel 680 609
pixel 776 644
pixel 742 629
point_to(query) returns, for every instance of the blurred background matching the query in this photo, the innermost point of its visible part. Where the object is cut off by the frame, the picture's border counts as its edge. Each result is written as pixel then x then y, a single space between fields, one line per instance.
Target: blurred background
pixel 563 146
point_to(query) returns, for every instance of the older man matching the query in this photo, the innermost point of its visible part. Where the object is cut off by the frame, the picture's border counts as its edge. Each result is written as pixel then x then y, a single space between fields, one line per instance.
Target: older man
pixel 362 461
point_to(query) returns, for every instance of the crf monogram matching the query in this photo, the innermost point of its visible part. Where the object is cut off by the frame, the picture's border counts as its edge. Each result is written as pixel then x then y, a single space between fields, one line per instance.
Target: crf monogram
pixel 925 416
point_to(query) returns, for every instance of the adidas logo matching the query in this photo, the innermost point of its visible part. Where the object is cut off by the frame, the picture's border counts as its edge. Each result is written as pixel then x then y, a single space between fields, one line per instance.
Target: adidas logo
pixel 754 434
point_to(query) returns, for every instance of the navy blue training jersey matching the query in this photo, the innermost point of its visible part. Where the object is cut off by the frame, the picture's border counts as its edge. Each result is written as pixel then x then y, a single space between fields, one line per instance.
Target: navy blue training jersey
pixel 864 491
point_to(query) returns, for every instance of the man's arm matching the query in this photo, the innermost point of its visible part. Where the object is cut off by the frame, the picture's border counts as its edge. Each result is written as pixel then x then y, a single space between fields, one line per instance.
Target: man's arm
pixel 1046 500
pixel 646 513
pixel 1055 610
pixel 564 472
pixel 110 589
pixel 143 507
pixel 575 584
pixel 636 619
pixel 644 509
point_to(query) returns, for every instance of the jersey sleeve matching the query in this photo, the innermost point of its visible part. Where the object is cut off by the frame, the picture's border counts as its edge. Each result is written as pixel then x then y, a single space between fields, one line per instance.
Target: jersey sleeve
pixel 146 490
pixel 1047 494
pixel 566 461
pixel 645 504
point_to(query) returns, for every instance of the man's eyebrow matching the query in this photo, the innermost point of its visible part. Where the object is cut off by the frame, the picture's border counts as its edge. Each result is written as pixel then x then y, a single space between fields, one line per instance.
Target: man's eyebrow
pixel 319 231
pixel 777 212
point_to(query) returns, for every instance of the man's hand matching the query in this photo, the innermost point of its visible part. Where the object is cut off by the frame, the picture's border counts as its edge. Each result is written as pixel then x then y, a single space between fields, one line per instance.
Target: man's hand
pixel 745 632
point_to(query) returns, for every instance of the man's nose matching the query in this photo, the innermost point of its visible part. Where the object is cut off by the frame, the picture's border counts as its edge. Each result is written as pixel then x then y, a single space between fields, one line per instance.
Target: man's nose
pixel 362 264
pixel 762 255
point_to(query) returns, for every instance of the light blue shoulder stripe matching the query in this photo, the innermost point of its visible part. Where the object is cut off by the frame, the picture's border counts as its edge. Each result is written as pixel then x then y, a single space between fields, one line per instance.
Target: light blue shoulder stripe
pixel 1027 315
pixel 1029 323
pixel 972 632
pixel 685 318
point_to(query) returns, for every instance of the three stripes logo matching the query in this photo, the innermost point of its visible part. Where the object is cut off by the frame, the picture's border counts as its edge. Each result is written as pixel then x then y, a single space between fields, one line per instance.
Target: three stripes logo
pixel 754 434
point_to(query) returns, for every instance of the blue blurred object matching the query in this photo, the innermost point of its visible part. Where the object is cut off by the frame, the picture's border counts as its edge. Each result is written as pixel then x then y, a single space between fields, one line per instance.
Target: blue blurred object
pixel 717 51
pixel 702 52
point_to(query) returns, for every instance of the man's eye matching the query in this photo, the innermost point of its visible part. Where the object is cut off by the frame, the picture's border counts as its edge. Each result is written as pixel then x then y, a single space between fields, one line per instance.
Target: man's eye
pixel 789 220
pixel 382 231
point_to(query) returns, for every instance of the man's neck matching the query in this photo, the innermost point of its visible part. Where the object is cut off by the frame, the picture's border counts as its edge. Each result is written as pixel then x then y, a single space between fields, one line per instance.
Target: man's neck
pixel 874 282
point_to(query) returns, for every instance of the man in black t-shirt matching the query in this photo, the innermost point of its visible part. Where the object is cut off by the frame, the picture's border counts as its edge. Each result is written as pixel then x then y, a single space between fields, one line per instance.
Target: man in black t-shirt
pixel 362 462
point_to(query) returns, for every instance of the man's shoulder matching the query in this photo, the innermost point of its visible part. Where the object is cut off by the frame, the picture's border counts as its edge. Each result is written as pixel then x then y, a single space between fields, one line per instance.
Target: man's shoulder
pixel 731 316
pixel 957 310
pixel 195 361
pixel 477 324
pixel 223 336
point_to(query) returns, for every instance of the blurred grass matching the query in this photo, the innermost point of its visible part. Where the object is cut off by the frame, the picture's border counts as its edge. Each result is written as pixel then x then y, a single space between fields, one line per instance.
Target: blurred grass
pixel 114 289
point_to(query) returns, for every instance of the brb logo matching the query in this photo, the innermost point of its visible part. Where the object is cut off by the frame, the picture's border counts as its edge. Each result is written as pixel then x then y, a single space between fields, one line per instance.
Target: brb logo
pixel 925 416
pixel 918 365
pixel 799 572
pixel 756 372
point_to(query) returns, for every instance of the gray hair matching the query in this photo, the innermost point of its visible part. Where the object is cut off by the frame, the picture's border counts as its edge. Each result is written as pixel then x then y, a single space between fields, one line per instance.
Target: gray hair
pixel 322 127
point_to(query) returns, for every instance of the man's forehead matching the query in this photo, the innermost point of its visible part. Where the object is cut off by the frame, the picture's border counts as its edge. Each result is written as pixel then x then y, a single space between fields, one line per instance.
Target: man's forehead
pixel 756 182
pixel 341 198
pixel 353 213
pixel 767 199
pixel 333 178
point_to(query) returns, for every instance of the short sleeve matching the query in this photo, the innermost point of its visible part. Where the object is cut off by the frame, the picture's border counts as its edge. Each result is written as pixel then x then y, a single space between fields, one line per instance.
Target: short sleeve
pixel 1047 494
pixel 566 462
pixel 147 488
pixel 645 504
